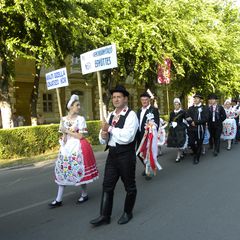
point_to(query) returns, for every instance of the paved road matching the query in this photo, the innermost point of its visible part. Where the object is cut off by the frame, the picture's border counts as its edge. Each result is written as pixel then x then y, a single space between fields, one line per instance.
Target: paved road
pixel 183 202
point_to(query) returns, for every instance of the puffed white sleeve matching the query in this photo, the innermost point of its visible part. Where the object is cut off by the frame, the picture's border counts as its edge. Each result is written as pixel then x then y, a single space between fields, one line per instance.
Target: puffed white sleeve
pixel 82 125
pixel 126 134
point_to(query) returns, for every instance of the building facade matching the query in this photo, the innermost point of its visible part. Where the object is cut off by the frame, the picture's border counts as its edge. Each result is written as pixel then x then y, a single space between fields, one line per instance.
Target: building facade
pixel 85 87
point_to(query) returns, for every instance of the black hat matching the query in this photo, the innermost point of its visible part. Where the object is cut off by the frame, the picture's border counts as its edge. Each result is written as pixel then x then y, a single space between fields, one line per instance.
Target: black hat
pixel 145 94
pixel 121 89
pixel 198 95
pixel 212 96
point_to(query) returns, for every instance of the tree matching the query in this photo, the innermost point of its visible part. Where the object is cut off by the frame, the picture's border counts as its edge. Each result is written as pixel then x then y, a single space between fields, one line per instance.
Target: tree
pixel 52 30
pixel 11 33
pixel 197 37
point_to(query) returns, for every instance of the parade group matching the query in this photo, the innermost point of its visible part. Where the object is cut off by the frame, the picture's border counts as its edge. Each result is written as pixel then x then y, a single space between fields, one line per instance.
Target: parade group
pixel 129 136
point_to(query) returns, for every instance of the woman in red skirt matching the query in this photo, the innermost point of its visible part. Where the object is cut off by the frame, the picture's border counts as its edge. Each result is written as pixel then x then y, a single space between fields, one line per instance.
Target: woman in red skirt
pixel 76 164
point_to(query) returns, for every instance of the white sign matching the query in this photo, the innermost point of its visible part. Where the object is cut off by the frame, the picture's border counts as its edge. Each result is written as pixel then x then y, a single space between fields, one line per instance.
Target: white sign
pixel 99 59
pixel 57 79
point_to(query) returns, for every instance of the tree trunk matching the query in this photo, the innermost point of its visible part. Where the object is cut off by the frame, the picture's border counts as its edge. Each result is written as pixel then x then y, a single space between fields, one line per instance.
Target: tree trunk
pixel 34 95
pixel 5 105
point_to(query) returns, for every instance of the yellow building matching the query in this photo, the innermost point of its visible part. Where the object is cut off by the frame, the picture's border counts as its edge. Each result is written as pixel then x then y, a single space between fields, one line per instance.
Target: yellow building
pixel 47 104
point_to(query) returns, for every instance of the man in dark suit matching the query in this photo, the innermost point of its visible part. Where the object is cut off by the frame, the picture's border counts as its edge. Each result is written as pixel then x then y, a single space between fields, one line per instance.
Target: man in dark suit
pixel 216 116
pixel 146 108
pixel 198 117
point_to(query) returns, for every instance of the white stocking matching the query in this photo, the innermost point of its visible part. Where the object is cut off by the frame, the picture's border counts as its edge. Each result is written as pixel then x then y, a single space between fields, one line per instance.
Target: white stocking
pixel 179 153
pixel 229 143
pixel 60 193
pixel 84 190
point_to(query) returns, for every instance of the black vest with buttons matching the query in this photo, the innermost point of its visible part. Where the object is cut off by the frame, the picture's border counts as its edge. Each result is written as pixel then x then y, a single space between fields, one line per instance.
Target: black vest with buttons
pixel 121 147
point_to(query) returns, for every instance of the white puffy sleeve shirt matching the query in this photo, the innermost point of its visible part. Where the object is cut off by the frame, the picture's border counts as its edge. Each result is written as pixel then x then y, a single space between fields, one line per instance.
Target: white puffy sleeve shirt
pixel 123 135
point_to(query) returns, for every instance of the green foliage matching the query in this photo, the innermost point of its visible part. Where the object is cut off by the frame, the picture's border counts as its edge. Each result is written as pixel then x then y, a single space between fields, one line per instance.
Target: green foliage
pixel 165 117
pixel 201 38
pixel 93 131
pixel 31 141
pixel 27 141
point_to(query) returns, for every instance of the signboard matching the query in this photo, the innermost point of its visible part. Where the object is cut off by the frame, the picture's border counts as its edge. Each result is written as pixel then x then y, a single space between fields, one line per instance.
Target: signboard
pixel 99 59
pixel 57 79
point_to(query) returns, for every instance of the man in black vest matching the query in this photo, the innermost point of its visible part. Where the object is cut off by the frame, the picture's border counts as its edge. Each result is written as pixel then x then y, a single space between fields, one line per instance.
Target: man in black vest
pixel 142 118
pixel 217 115
pixel 236 107
pixel 118 133
pixel 198 117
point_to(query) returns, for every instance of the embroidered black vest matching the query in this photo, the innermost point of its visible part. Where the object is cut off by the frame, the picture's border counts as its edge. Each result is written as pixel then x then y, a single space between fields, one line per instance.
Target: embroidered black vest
pixel 121 147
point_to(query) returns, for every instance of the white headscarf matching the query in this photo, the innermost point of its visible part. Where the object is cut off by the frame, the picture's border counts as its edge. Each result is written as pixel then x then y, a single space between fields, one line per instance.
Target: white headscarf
pixel 227 101
pixel 73 98
pixel 176 100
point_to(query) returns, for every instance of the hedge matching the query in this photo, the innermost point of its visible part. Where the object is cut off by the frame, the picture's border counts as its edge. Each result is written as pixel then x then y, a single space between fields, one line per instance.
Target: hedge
pixel 30 141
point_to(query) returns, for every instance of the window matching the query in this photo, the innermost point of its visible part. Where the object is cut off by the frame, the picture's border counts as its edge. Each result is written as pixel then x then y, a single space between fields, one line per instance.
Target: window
pixel 47 103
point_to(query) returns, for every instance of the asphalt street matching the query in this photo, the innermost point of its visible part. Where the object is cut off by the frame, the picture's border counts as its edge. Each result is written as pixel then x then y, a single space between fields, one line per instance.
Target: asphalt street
pixel 183 202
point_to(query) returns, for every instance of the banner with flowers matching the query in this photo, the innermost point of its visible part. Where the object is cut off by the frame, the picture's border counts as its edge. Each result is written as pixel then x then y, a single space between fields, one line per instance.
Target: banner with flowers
pixel 164 71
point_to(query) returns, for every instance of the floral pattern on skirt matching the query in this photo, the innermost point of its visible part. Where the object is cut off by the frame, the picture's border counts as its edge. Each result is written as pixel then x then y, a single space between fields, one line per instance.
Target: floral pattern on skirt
pixel 229 129
pixel 75 166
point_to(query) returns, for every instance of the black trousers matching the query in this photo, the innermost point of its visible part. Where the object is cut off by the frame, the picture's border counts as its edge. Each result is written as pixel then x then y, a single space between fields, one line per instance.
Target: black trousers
pixel 215 131
pixel 195 142
pixel 238 130
pixel 120 165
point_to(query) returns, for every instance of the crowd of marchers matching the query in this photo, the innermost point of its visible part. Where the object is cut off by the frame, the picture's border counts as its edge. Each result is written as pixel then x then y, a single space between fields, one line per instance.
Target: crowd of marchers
pixel 129 136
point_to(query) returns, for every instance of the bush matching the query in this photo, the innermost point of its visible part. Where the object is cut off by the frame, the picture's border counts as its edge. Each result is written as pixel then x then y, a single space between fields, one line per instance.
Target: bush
pixel 93 131
pixel 30 141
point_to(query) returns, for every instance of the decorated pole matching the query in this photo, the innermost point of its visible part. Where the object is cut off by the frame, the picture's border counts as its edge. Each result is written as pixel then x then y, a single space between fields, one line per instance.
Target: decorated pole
pixel 168 107
pixel 163 77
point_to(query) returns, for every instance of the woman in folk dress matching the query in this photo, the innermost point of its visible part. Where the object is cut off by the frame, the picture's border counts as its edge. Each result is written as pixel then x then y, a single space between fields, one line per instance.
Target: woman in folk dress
pixel 177 134
pixel 229 124
pixel 76 164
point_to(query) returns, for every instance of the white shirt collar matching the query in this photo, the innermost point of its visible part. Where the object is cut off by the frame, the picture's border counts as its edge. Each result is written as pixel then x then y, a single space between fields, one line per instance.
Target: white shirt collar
pixel 198 105
pixel 176 111
pixel 146 107
pixel 123 112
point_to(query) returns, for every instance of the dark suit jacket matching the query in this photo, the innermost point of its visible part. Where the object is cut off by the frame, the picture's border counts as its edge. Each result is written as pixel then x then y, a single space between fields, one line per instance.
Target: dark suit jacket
pixel 193 113
pixel 152 110
pixel 220 116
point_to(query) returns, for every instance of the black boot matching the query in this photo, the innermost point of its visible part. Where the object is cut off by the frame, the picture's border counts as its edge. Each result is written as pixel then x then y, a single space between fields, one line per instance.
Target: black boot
pixel 128 207
pixel 105 210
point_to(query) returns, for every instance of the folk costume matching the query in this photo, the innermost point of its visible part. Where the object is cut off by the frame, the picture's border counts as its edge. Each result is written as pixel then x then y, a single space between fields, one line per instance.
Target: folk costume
pixel 148 148
pixel 162 137
pixel 162 132
pixel 197 119
pixel 216 117
pixel 142 119
pixel 76 164
pixel 120 163
pixel 229 124
pixel 177 133
pixel 237 110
